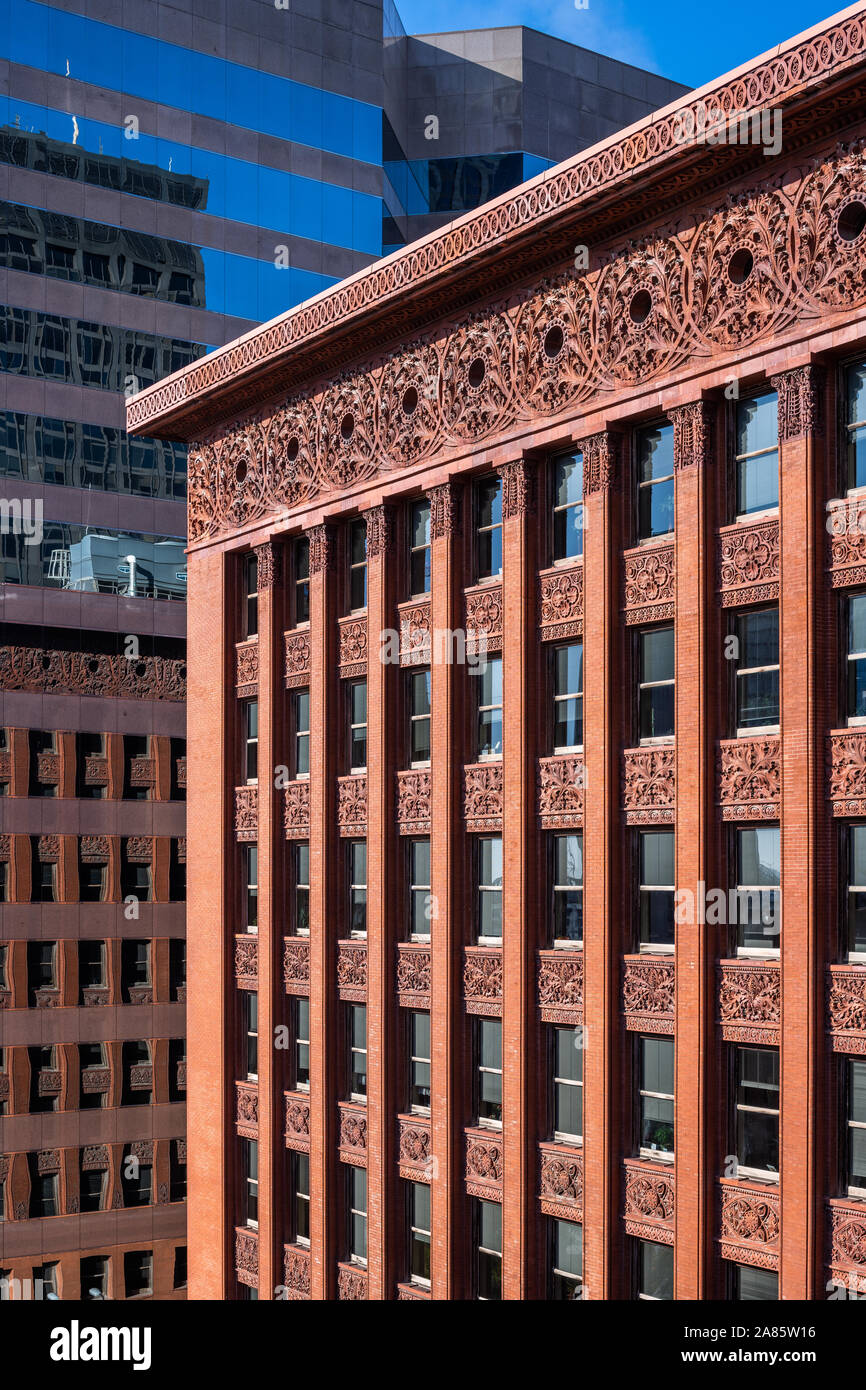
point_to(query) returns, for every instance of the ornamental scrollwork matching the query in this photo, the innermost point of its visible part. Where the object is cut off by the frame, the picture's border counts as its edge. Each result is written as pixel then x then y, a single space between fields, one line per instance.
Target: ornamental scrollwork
pixel 750 778
pixel 482 796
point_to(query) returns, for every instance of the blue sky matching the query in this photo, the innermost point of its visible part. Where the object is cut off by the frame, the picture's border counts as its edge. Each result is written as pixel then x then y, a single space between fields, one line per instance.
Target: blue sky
pixel 685 40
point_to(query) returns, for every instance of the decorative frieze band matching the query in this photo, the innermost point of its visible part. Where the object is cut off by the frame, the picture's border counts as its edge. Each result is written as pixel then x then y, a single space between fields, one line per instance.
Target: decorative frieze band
pixel 484 1164
pixel 561 1181
pixel 414 790
pixel 749 563
pixel 414 964
pixel 750 1002
pixel 649 994
pixel 750 778
pixel 296 812
pixel 847 759
pixel 297 665
pixel 352 970
pixel 650 1200
pixel 649 794
pixel 43 671
pixel 561 785
pixel 649 584
pixel 246 813
pixel 352 805
pixel 750 1224
pixel 560 603
pixel 560 986
pixel 846 1008
pixel 482 981
pixel 482 796
pixel 296 964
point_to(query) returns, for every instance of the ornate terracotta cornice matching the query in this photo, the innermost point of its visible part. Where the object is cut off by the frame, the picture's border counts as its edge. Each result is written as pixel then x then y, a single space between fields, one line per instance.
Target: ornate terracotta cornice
pixel 801 402
pixel 444 510
pixel 601 458
pixel 322 549
pixel 518 489
pixel 693 433
pixel 531 226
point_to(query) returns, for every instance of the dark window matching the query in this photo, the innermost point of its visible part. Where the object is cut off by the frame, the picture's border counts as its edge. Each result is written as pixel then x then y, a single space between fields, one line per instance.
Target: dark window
pixel 302 581
pixel 855 422
pixel 136 1179
pixel 419 717
pixel 856 1146
pixel 568 697
pixel 567 1061
pixel 299 1164
pixel 357 855
pixel 488 1250
pixel 488 1070
pixel 656 1059
pixel 419 1060
pixel 44 1190
pixel 250 1015
pixel 857 659
pixel 757 456
pixel 91 966
pixel 751 1284
pixel 301 718
pixel 180 1267
pixel 567 885
pixel 758 897
pixel 134 968
pixel 488 528
pixel 250 1171
pixel 177 1175
pixel 568 519
pixel 566 1259
pixel 757 1109
pixel 489 907
pixel 357 1183
pixel 136 773
pixel 420 1227
pixel 300 853
pixel 176 874
pixel 656 683
pixel 419 889
pixel 656 888
pixel 757 670
pixel 95 1076
pixel 43 880
pixel 358 565
pixel 419 548
pixel 177 966
pixel 44 1080
pixel 655 1270
pixel 91 882
pixel 250 859
pixel 41 967
pixel 94 1278
pixel 137 1074
pixel 358 726
pixel 135 877
pixel 138 1273
pixel 489 690
pixel 251 740
pixel 856 895
pixel 655 482
pixel 301 1014
pixel 357 1019
pixel 251 596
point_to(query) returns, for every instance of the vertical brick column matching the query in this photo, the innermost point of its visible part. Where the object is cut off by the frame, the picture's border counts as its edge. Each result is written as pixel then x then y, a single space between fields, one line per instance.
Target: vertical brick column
pixel 210 952
pixel 693 425
pixel 601 865
pixel 801 547
pixel 271 915
pixel 382 1042
pixel 325 1206
pixel 519 878
pixel 448 1244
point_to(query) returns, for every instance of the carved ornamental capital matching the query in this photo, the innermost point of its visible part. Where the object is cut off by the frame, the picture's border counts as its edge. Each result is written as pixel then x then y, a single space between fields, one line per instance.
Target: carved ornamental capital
pixel 601 461
pixel 693 434
pixel 269 558
pixel 801 402
pixel 518 489
pixel 379 530
pixel 444 510
pixel 322 549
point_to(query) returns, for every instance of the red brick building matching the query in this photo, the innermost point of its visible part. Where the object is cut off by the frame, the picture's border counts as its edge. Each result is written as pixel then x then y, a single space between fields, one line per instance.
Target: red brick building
pixel 527 770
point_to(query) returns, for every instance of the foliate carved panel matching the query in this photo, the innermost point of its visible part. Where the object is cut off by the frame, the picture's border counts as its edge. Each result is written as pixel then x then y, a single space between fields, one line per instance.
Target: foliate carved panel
pixel 246 813
pixel 649 794
pixel 139 849
pixel 351 1284
pixel 352 805
pixel 846 1008
pixel 847 1240
pixel 95 1080
pixel 297 1127
pixel 48 768
pixel 296 965
pixel 482 796
pixel 801 401
pixel 750 1225
pixel 247 668
pixel 297 659
pixel 352 970
pixel 296 1271
pixel 846 525
pixel 44 671
pixel 649 584
pixel 48 1161
pixel 5 765
pixel 247 1256
pixel 414 791
pixel 48 848
pixel 141 994
pixel 246 962
pixel 649 994
pixel 750 778
pixel 95 996
pixel 296 813
pixel 847 758
pixel 749 563
pixel 561 1181
pixel 484 618
pixel 693 433
pixel 247 1113
pixel 5 848
pixel 95 771
pixel 181 772
pixel 560 603
pixel 650 1201
pixel 560 986
pixel 94 849
pixel 416 634
pixel 353 647
pixel 484 1164
pixel 95 1158
pixel 482 981
pixel 353 1134
pixel 561 786
pixel 414 1151
pixel 49 1083
pixel 750 1002
pixel 413 976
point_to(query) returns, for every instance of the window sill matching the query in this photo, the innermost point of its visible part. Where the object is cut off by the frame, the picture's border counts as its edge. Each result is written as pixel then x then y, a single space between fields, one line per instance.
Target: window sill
pixel 772 953
pixel 664 538
pixel 758 1175
pixel 657 1156
pixel 747 518
pixel 857 1194
pixel 761 731
pixel 855 721
pixel 667 741
pixel 357 1100
pixel 574 1141
pixel 420 767
pixel 492 941
pixel 494 1125
pixel 568 946
pixel 562 752
pixel 651 948
pixel 358 771
pixel 420 940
